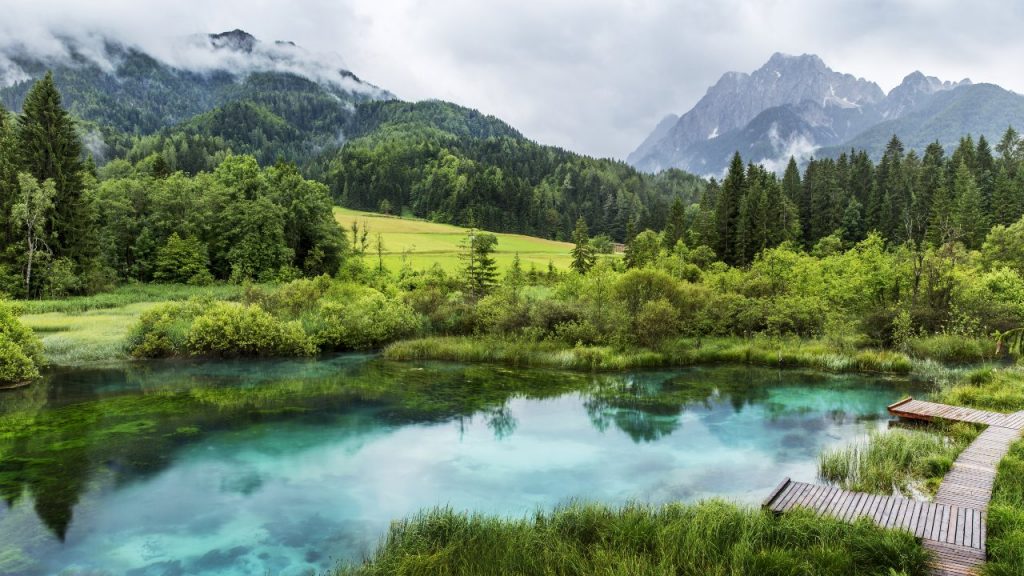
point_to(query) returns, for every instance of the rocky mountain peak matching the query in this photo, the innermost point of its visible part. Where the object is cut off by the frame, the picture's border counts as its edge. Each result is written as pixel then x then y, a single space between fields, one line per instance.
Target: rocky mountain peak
pixel 737 98
pixel 237 40
pixel 914 91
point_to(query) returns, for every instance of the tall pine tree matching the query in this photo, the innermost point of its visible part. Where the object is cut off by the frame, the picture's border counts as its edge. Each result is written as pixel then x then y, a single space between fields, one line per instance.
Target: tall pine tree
pixel 970 216
pixel 727 212
pixel 582 252
pixel 50 150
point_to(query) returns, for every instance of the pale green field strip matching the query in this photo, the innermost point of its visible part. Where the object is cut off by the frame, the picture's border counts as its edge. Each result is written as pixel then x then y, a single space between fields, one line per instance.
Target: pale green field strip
pixel 421 244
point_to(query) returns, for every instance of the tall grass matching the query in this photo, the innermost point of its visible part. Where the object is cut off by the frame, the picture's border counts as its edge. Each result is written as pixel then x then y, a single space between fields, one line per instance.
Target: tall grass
pixel 757 351
pixel 904 461
pixel 988 389
pixel 1006 517
pixel 951 348
pixel 712 537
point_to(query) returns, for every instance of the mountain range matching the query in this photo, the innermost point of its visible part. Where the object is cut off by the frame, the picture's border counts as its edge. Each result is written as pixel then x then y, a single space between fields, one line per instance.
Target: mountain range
pixel 798 106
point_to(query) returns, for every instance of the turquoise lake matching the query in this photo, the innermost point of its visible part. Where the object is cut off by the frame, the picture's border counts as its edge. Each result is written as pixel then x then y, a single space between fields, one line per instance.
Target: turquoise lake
pixel 290 467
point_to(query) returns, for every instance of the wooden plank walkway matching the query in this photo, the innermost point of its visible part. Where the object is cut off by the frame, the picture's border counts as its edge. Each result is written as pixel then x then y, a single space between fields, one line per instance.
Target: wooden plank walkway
pixel 928 411
pixel 953 526
pixel 943 523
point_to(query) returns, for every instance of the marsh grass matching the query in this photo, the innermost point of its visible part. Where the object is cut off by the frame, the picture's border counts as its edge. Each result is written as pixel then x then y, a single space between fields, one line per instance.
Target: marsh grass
pixel 988 389
pixel 897 460
pixel 685 352
pixel 952 349
pixel 93 335
pixel 1006 517
pixel 711 537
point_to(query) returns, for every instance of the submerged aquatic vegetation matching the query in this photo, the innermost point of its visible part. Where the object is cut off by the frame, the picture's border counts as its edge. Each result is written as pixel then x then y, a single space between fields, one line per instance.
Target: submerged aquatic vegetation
pixel 711 537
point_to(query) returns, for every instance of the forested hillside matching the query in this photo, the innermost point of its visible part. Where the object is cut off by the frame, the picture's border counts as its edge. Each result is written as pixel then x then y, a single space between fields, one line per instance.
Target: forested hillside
pixel 70 228
pixel 432 159
pixel 922 199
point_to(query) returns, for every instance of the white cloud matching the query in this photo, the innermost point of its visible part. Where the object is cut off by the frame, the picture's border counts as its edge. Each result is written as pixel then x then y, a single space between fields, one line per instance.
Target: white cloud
pixel 590 75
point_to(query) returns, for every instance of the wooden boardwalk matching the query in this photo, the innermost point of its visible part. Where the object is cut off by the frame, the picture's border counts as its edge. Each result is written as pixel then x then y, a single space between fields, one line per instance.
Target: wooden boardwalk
pixel 929 411
pixel 953 526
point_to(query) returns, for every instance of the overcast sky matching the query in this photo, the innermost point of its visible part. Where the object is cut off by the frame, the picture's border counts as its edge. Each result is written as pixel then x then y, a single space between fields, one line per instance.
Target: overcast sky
pixel 593 76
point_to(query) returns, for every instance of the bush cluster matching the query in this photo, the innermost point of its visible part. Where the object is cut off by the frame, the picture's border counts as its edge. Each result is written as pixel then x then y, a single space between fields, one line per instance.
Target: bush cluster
pixel 300 318
pixel 21 352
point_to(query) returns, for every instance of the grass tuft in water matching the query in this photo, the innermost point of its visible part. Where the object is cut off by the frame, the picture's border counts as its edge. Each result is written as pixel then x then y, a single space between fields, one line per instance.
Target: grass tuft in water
pixel 904 461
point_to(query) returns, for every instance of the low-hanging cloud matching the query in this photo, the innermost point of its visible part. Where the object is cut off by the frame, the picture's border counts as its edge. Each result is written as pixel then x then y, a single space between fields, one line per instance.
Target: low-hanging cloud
pixel 590 75
pixel 63 42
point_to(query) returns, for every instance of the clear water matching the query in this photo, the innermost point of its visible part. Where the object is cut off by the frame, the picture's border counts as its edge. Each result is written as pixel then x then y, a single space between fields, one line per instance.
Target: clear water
pixel 290 467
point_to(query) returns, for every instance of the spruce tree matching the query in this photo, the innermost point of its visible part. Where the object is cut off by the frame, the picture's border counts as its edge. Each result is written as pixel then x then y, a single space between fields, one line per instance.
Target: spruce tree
pixel 931 177
pixel 970 217
pixel 582 253
pixel 8 178
pixel 853 222
pixel 1010 149
pixel 942 220
pixel 480 271
pixel 1006 200
pixel 50 150
pixel 791 181
pixel 675 227
pixel 727 212
pixel 985 174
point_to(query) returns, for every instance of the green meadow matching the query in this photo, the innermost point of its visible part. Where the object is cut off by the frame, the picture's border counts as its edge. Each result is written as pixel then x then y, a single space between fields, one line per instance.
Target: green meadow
pixel 421 244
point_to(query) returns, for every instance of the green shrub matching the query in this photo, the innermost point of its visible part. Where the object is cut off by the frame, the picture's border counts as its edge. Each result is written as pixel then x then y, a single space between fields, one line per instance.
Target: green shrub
pixel 639 286
pixel 656 321
pixel 21 352
pixel 364 323
pixel 232 329
pixel 501 314
pixel 297 296
pixel 162 332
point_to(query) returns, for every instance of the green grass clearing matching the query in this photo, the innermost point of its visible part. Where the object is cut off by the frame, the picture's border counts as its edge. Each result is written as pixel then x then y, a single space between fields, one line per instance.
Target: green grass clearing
pixel 421 244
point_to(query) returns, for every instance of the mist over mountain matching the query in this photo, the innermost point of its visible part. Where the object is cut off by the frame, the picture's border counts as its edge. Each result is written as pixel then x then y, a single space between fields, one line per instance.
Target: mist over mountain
pixel 252 95
pixel 234 52
pixel 798 106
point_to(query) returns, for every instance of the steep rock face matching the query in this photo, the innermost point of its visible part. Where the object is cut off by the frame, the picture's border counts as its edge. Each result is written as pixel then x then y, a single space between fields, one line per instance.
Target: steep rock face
pixel 914 92
pixel 737 98
pixel 796 105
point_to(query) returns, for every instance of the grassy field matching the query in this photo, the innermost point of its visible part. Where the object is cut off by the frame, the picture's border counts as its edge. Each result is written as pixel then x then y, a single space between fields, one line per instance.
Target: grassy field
pixel 424 243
